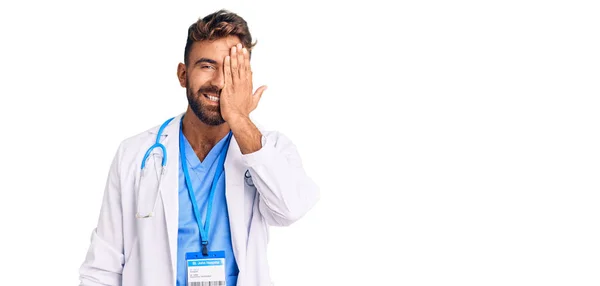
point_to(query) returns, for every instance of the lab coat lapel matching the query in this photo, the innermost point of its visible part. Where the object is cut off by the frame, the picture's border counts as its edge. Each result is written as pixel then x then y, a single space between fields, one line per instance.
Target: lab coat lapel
pixel 234 194
pixel 170 188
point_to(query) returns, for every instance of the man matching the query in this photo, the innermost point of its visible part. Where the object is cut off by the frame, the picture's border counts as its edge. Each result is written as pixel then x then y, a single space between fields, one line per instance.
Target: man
pixel 203 218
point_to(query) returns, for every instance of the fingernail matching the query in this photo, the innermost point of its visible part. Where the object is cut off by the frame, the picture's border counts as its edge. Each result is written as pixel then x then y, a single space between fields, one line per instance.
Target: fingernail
pixel 244 50
pixel 239 45
pixel 233 49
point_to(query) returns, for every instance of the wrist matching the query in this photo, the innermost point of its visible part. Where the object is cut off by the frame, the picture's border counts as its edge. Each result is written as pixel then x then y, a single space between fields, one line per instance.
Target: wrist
pixel 237 120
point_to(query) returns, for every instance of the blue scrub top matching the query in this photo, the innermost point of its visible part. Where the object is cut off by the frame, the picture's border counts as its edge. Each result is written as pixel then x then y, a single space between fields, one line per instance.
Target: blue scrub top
pixel 188 240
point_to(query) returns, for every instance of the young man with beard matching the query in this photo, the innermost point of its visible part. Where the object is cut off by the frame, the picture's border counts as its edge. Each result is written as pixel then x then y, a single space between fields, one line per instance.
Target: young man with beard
pixel 190 201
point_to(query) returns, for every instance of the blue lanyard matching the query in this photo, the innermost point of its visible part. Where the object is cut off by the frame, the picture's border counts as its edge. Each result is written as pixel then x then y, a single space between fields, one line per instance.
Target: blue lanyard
pixel 188 181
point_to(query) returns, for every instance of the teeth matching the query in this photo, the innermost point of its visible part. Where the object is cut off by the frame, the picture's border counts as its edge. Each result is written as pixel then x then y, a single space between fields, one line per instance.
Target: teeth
pixel 213 98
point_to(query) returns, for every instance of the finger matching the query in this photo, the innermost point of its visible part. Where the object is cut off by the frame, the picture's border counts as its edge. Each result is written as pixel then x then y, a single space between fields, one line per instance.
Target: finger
pixel 257 95
pixel 247 62
pixel 234 64
pixel 227 69
pixel 241 62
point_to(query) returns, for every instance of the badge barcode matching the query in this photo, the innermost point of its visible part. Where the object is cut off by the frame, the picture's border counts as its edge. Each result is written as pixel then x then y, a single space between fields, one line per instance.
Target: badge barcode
pixel 208 283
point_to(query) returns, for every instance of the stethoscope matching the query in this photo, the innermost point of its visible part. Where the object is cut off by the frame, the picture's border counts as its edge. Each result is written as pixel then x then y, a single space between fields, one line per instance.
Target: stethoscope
pixel 248 179
pixel 157 144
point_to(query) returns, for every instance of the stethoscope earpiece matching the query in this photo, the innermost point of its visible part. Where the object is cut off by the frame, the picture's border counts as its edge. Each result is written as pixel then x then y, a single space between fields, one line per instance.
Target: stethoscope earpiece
pixel 248 179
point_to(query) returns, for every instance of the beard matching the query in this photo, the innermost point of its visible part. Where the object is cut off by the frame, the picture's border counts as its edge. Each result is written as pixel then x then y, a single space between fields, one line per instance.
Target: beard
pixel 209 115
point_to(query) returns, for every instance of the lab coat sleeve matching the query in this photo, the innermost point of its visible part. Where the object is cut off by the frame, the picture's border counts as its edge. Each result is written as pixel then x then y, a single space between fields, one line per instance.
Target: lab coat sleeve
pixel 286 192
pixel 104 261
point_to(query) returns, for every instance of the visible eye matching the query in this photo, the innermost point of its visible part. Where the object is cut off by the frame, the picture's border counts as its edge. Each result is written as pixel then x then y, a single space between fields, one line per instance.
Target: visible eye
pixel 207 67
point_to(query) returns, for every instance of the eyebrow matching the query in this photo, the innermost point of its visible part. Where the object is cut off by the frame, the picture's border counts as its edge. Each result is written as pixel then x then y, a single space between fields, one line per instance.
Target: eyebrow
pixel 205 60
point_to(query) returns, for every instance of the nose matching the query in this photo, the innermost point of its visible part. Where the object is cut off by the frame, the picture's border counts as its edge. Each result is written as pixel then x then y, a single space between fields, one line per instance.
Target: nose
pixel 218 79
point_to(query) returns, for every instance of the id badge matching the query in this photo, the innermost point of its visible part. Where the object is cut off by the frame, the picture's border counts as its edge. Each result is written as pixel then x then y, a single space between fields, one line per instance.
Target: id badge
pixel 206 270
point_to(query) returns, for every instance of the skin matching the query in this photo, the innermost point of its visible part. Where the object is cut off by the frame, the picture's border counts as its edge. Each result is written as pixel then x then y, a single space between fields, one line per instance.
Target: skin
pixel 219 68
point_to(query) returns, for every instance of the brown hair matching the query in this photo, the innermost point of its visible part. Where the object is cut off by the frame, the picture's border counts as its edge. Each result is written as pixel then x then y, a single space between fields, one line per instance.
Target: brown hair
pixel 218 25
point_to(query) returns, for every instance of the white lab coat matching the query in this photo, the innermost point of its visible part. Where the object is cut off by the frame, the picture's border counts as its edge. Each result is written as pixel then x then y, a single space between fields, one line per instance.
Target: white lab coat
pixel 128 251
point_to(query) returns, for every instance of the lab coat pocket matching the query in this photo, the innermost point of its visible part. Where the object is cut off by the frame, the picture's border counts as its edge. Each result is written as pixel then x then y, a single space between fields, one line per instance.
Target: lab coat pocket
pixel 148 189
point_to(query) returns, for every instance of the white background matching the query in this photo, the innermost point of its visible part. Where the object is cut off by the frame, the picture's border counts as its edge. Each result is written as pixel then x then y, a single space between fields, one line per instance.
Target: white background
pixel 455 142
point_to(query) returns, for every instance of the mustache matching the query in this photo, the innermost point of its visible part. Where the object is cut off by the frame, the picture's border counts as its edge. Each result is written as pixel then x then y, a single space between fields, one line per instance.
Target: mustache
pixel 210 89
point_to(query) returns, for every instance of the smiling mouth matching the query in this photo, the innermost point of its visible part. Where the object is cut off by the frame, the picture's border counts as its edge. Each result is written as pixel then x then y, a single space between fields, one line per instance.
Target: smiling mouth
pixel 211 98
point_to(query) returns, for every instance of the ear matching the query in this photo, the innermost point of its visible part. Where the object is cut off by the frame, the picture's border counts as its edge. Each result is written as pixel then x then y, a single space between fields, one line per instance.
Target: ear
pixel 182 75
